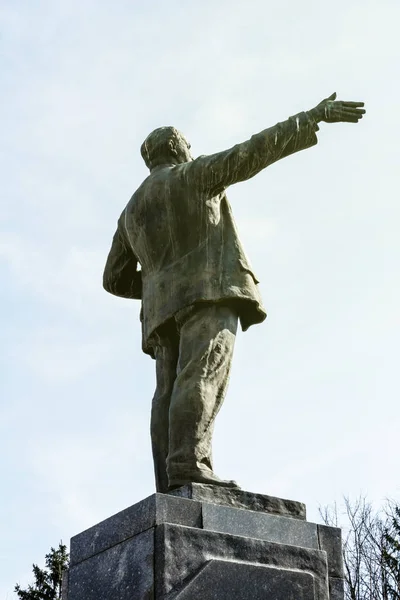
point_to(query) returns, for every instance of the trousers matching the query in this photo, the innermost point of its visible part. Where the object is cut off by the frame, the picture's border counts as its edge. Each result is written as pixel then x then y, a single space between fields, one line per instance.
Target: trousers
pixel 193 354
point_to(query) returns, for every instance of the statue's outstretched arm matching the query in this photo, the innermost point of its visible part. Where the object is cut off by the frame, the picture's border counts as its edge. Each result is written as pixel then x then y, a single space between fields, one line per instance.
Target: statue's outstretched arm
pixel 212 174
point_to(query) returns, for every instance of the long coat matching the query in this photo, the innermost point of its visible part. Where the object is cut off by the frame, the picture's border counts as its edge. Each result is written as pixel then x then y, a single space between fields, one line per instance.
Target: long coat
pixel 179 227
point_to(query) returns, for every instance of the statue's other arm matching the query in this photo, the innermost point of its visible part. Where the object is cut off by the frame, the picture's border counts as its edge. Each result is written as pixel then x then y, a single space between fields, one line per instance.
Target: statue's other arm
pixel 121 277
pixel 216 172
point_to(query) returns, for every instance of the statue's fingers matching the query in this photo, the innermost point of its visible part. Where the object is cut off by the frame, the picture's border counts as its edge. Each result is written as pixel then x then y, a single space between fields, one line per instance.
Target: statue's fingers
pixel 348 118
pixel 357 111
pixel 352 104
pixel 354 111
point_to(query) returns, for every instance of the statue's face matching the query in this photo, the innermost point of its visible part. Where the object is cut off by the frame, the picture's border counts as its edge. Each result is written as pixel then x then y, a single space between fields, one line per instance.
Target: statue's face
pixel 182 149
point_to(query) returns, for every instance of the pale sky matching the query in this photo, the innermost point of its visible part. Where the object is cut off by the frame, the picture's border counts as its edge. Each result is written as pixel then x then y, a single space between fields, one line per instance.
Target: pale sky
pixel 312 410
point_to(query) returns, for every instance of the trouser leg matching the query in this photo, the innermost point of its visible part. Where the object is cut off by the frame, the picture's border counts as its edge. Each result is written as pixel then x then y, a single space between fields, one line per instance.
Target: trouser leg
pixel 166 355
pixel 207 338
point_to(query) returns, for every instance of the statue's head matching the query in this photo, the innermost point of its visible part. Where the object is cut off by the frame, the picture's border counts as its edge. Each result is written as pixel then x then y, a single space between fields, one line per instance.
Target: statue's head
pixel 165 145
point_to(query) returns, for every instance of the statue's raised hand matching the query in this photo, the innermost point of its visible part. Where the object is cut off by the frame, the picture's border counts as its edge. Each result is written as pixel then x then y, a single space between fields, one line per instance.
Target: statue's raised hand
pixel 331 110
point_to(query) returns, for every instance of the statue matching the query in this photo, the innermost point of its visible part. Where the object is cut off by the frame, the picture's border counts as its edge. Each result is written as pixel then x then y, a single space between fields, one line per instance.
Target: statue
pixel 195 280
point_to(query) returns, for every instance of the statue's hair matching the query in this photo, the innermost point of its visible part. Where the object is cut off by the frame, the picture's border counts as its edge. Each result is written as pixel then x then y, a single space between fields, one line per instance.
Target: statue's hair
pixel 156 145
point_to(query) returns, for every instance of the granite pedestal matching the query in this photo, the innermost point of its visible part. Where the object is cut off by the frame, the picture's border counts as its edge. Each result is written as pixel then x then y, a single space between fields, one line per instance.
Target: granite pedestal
pixel 203 542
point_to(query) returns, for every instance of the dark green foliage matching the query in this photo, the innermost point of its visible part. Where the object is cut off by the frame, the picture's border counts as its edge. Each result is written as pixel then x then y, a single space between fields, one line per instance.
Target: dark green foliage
pixel 47 584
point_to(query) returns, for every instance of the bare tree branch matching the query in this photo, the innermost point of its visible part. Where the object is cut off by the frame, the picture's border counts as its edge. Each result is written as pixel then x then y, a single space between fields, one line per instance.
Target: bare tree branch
pixel 371 548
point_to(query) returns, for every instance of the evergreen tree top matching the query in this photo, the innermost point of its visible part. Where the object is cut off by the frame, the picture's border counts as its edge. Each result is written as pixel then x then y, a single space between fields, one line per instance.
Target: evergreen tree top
pixel 48 581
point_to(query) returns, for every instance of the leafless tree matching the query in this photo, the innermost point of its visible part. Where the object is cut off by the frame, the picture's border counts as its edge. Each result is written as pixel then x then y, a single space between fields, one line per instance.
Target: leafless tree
pixel 371 548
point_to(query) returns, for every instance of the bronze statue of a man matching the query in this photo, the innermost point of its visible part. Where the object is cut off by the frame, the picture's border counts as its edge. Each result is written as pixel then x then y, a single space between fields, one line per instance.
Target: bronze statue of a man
pixel 195 281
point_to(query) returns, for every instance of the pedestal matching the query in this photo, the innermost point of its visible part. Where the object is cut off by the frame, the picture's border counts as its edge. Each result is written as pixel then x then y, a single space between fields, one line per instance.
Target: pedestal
pixel 203 542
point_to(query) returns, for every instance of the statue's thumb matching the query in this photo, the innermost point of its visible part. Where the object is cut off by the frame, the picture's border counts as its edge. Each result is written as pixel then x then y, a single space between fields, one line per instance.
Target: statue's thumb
pixel 332 97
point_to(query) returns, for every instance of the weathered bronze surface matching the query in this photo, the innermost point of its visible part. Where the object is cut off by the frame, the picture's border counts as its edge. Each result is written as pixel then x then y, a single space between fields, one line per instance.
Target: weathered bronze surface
pixel 196 281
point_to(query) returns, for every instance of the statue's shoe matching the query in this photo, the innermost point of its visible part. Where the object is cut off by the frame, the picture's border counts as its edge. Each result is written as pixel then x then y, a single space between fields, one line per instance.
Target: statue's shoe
pixel 199 477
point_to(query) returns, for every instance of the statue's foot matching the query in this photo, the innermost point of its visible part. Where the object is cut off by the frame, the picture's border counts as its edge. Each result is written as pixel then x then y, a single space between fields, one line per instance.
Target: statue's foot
pixel 199 477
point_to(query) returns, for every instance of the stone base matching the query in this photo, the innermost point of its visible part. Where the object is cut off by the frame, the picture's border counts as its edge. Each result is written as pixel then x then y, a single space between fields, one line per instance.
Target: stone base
pixel 237 498
pixel 185 546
